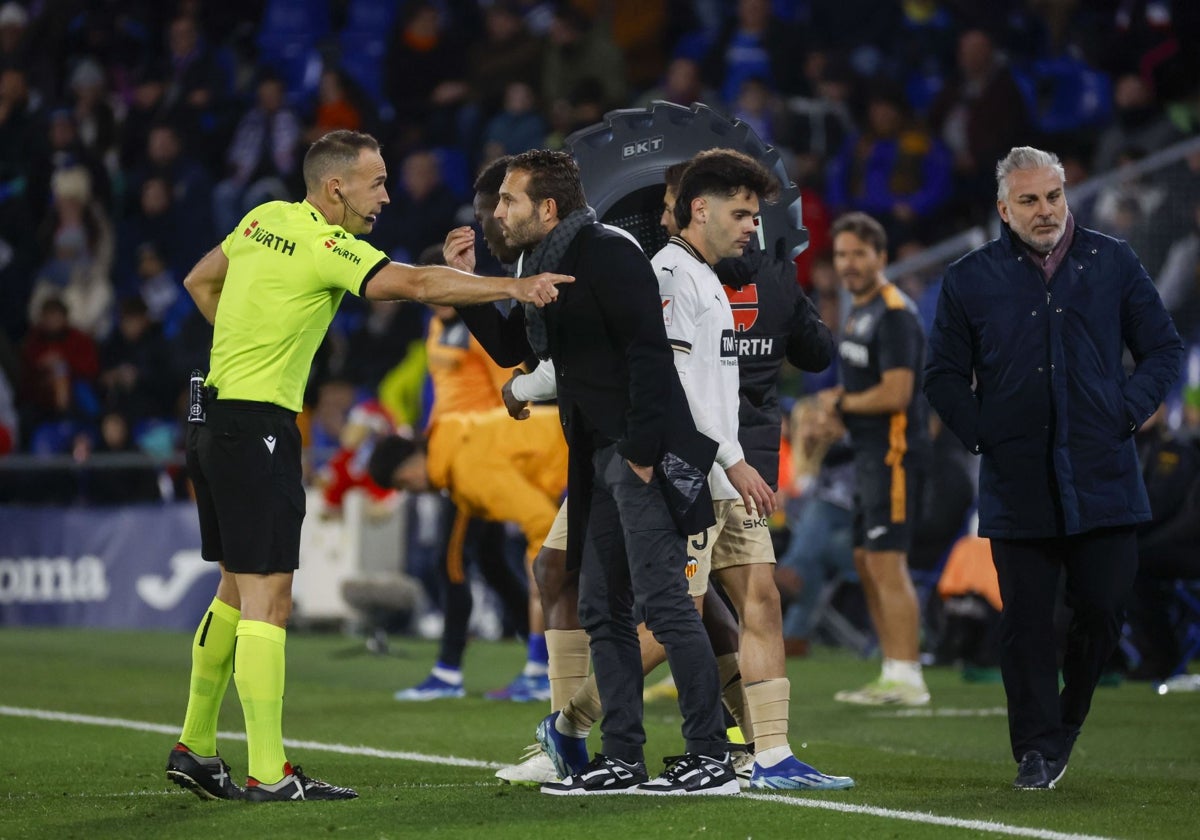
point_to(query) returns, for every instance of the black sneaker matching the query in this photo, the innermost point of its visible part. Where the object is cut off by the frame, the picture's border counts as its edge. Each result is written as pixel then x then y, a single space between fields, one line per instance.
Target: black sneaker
pixel 694 774
pixel 1033 773
pixel 602 775
pixel 207 777
pixel 293 787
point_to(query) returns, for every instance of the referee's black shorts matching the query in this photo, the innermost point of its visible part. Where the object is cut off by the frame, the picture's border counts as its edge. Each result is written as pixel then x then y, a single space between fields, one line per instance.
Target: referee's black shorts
pixel 245 466
pixel 886 502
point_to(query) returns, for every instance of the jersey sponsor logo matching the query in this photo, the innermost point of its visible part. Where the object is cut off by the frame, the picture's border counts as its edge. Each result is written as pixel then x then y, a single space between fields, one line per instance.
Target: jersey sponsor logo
pixel 638 148
pixel 668 308
pixel 338 250
pixel 744 302
pixel 264 237
pixel 749 524
pixel 729 346
pixel 854 353
pixel 755 347
pixel 859 324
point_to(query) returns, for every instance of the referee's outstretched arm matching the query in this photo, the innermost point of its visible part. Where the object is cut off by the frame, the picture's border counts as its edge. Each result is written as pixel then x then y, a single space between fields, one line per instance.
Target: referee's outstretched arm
pixel 451 287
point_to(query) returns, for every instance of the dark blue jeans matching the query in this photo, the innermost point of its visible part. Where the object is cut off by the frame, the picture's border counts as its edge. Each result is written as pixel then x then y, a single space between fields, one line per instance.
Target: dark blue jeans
pixel 633 569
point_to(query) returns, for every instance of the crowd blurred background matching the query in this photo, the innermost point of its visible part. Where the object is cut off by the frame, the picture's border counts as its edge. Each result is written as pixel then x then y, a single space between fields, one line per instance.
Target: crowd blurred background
pixel 134 134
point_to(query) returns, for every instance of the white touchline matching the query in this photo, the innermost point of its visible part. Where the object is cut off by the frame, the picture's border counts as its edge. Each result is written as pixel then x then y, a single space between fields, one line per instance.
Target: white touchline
pixel 921 817
pixel 401 755
pixel 143 726
pixel 996 711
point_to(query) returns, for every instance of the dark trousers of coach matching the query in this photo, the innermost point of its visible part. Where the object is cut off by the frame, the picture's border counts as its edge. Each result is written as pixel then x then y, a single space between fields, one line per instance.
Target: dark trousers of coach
pixel 1100 566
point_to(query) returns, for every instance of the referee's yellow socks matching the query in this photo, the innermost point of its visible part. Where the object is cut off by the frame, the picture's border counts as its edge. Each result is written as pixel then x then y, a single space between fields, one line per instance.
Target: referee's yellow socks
pixel 212 663
pixel 259 672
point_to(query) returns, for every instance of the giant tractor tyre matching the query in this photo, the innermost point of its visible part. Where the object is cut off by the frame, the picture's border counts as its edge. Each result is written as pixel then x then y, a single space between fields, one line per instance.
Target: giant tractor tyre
pixel 622 160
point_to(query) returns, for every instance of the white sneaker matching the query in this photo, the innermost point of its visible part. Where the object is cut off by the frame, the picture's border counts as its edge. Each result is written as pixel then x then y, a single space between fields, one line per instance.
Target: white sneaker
pixel 886 693
pixel 743 766
pixel 534 768
pixel 694 774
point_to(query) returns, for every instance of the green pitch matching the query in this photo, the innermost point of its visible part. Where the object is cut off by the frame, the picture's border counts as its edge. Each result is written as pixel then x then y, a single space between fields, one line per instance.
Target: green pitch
pixel 939 773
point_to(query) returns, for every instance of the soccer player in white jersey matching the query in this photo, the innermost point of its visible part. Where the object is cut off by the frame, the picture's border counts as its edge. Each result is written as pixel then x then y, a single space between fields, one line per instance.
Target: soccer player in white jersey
pixel 715 209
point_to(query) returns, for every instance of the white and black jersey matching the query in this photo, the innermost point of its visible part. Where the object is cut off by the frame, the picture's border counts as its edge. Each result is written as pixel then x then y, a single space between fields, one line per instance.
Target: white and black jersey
pixel 699 323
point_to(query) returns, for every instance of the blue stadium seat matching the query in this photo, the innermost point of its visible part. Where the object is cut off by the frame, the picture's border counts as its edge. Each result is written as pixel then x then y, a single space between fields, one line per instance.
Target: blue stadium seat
pixel 295 17
pixel 55 437
pixel 371 16
pixel 456 171
pixel 361 56
pixel 296 60
pixel 289 38
pixel 1064 94
pixel 920 89
pixel 693 45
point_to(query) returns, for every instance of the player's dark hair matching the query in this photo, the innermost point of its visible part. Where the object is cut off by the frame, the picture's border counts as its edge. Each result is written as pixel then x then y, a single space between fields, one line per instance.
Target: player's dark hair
pixel 673 174
pixel 724 173
pixel 336 151
pixel 864 227
pixel 552 175
pixel 492 176
pixel 432 255
pixel 389 453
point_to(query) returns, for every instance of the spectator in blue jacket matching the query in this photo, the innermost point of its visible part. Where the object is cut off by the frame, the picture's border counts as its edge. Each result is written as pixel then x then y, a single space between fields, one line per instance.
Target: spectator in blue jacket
pixel 894 170
pixel 1039 319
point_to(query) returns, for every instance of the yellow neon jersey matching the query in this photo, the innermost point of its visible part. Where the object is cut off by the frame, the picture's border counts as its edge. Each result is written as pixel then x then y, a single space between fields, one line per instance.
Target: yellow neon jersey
pixel 288 272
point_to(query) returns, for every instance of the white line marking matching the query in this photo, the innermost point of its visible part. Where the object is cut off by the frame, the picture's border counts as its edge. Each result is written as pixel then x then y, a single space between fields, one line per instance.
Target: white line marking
pixel 344 749
pixel 920 817
pixel 995 711
pixel 778 799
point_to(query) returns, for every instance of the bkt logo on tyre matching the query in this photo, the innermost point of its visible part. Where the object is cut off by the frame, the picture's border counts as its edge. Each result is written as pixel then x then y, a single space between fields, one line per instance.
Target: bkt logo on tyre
pixel 642 147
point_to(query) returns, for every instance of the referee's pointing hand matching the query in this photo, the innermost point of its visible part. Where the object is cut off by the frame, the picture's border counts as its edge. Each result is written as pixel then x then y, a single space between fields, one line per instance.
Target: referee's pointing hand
pixel 540 288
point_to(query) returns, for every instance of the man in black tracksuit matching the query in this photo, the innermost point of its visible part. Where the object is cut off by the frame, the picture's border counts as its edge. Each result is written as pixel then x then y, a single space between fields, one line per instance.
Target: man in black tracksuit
pixel 773 320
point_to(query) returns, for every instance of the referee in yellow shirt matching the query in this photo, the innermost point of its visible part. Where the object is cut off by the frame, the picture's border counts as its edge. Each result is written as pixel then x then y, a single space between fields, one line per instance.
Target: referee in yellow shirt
pixel 270 290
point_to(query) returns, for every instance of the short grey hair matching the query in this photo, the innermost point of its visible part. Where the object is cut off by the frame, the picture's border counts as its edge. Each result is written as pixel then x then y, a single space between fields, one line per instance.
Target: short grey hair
pixel 1024 157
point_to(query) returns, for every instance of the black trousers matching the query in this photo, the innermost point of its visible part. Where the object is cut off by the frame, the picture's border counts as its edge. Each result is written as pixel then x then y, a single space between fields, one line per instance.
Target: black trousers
pixel 633 567
pixel 1100 567
pixel 468 540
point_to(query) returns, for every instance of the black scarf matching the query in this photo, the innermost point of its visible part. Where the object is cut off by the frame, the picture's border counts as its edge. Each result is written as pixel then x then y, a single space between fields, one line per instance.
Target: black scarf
pixel 546 257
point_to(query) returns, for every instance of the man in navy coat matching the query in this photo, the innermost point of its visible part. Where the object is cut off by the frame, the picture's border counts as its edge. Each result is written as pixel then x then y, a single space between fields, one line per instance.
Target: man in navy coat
pixel 1026 367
